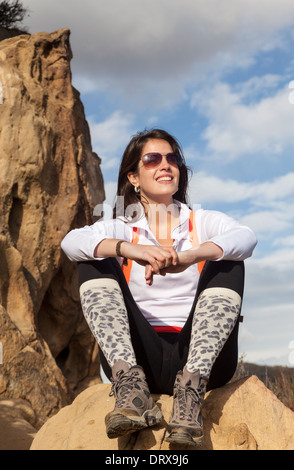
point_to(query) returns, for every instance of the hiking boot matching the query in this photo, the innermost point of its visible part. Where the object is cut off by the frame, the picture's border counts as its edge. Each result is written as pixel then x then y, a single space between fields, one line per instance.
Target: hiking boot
pixel 186 426
pixel 134 407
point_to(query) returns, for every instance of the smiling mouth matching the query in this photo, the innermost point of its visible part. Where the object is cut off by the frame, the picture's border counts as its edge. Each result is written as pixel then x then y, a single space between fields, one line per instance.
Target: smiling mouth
pixel 164 178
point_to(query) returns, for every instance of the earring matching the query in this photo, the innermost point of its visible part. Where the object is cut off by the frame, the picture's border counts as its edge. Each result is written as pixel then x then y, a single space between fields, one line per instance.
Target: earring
pixel 137 189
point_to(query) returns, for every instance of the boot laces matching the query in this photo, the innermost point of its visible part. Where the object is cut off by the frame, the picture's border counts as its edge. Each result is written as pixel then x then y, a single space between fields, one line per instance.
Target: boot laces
pixel 123 385
pixel 188 399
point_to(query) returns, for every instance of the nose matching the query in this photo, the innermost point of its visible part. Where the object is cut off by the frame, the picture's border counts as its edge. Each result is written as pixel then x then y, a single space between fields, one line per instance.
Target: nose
pixel 164 163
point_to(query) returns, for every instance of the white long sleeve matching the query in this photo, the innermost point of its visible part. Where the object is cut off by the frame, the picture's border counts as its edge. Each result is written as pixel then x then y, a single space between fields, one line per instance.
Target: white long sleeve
pixel 80 243
pixel 237 241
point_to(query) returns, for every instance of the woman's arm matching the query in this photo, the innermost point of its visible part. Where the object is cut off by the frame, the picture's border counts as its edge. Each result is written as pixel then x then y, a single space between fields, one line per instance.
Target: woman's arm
pixel 81 244
pixel 99 241
pixel 236 240
pixel 208 251
pixel 158 257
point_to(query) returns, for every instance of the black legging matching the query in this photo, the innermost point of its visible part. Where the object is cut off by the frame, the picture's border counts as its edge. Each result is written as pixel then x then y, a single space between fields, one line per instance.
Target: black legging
pixel 162 355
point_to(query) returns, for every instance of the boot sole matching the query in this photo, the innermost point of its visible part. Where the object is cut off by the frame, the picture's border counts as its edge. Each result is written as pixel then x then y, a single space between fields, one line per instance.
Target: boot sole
pixel 119 424
pixel 179 436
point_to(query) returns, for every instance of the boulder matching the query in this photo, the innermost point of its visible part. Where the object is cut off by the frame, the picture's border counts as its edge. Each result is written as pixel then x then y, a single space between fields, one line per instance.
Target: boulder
pixel 50 182
pixel 18 424
pixel 243 415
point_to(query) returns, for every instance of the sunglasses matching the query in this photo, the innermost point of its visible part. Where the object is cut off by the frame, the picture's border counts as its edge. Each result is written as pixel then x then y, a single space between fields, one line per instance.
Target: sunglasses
pixel 152 160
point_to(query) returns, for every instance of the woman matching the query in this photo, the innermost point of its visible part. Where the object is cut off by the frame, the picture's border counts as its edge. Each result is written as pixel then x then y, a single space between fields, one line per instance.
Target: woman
pixel 161 287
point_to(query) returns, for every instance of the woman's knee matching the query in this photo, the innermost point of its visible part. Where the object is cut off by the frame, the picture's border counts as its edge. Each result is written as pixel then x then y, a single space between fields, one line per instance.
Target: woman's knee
pixel 106 268
pixel 227 274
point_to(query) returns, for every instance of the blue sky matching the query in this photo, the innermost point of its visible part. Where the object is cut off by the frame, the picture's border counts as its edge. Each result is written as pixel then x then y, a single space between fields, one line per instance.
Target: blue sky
pixel 217 74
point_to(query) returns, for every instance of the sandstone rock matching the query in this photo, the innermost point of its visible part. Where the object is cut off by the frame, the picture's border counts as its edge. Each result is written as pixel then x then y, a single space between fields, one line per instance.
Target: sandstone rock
pixel 29 371
pixel 18 425
pixel 50 182
pixel 243 415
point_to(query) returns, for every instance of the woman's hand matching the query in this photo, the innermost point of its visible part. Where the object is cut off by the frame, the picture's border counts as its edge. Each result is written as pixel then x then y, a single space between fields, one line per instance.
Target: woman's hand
pixel 185 259
pixel 206 251
pixel 157 257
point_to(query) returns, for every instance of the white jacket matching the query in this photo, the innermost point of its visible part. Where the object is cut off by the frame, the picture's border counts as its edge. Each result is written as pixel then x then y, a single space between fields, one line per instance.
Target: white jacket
pixel 169 300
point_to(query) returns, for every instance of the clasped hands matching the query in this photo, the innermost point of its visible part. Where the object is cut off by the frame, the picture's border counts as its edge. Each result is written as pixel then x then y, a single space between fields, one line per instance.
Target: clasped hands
pixel 174 262
pixel 159 260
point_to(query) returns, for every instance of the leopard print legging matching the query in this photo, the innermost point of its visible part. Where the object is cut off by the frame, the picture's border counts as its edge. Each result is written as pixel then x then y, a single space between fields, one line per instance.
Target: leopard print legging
pixel 214 318
pixel 105 312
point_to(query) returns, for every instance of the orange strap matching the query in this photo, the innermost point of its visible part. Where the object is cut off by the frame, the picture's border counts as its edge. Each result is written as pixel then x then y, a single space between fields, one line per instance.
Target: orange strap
pixel 195 242
pixel 194 237
pixel 127 268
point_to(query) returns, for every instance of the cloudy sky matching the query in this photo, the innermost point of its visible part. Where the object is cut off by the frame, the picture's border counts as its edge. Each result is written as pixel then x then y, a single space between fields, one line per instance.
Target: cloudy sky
pixel 219 75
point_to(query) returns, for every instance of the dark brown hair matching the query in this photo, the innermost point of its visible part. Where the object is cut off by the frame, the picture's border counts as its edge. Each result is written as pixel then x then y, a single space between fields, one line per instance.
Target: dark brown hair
pixel 130 161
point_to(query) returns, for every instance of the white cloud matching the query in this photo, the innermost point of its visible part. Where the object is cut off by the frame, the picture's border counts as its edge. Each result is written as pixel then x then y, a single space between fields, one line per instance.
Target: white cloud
pixel 268 223
pixel 281 261
pixel 286 241
pixel 267 206
pixel 210 188
pixel 206 188
pixel 268 307
pixel 277 189
pixel 110 137
pixel 257 87
pixel 151 50
pixel 238 129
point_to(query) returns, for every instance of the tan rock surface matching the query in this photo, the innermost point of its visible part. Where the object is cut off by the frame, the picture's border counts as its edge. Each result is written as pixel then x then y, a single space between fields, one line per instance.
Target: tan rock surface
pixel 18 425
pixel 50 182
pixel 243 415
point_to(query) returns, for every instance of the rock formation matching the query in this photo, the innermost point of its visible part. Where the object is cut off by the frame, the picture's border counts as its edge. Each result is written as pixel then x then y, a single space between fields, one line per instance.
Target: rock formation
pixel 18 424
pixel 50 182
pixel 243 415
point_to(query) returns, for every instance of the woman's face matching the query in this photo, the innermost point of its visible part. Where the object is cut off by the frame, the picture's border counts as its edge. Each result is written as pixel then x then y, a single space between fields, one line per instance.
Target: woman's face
pixel 159 184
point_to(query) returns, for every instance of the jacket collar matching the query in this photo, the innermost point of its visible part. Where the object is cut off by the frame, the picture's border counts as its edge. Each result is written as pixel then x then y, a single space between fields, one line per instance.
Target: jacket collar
pixel 140 221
